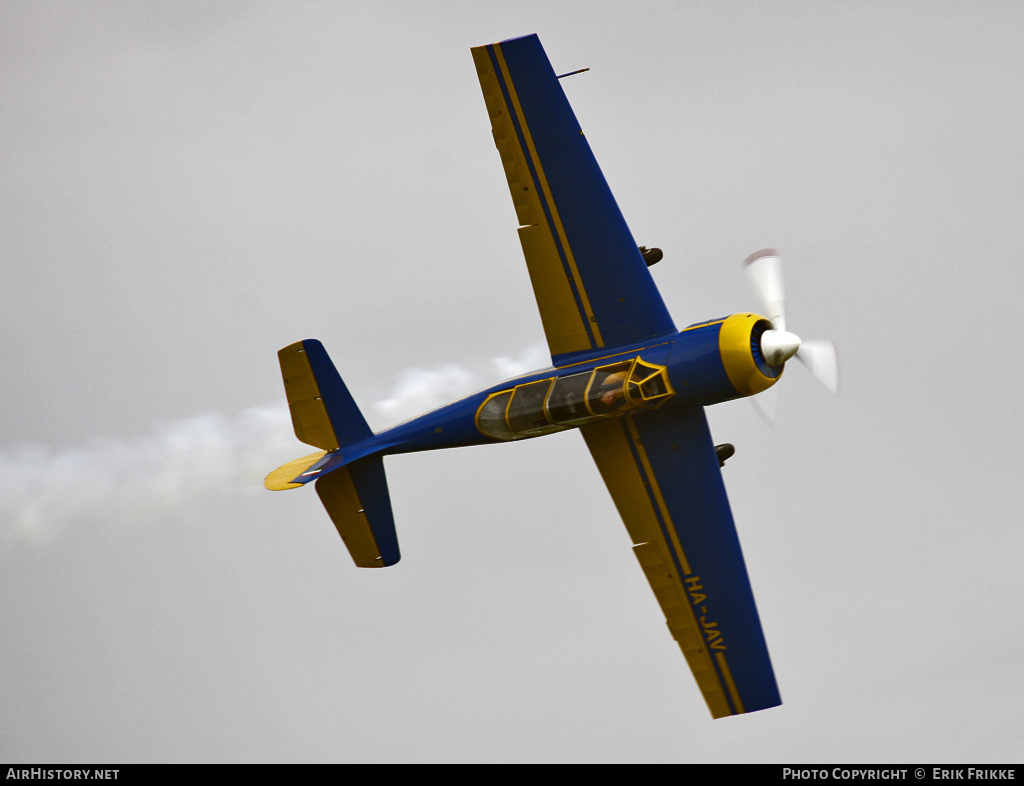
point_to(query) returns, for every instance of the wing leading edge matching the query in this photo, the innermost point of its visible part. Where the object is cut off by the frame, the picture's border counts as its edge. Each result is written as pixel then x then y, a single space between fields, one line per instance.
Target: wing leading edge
pixel 664 477
pixel 592 286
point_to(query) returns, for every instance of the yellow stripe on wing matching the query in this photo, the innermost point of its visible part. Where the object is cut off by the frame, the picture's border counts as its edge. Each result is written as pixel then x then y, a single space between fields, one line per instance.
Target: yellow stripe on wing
pixel 564 326
pixel 729 682
pixel 558 228
pixel 616 448
pixel 656 489
pixel 563 323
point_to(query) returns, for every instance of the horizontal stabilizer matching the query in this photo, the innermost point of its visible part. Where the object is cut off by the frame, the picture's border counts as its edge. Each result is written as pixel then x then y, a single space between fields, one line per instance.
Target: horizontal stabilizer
pixel 357 500
pixel 323 411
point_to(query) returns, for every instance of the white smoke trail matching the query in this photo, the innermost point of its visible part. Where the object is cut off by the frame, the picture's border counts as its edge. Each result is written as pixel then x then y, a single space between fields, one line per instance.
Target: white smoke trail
pixel 420 390
pixel 125 480
pixel 533 358
pixel 41 490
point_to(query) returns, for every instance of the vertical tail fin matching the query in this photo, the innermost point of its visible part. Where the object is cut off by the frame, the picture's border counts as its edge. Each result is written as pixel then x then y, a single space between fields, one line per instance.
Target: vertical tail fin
pixel 325 415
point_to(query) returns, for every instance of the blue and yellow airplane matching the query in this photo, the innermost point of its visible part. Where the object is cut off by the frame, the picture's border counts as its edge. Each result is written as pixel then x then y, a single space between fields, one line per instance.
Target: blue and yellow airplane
pixel 622 373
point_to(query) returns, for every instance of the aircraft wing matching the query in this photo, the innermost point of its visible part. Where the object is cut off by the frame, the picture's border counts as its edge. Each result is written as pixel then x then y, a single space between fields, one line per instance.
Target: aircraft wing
pixel 592 286
pixel 664 477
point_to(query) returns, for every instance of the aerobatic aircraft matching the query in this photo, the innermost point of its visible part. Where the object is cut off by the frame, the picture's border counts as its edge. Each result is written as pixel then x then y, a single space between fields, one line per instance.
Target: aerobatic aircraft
pixel 622 373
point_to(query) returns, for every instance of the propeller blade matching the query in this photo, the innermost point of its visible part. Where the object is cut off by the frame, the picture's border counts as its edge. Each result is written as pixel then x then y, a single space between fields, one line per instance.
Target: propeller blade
pixel 822 360
pixel 764 269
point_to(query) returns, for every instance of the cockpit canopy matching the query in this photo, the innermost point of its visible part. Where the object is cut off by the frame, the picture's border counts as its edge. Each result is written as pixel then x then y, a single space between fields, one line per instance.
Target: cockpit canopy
pixel 563 402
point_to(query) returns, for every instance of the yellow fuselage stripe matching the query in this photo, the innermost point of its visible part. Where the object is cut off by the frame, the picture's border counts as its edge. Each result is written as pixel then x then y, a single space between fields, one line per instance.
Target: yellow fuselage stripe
pixel 704 324
pixel 532 152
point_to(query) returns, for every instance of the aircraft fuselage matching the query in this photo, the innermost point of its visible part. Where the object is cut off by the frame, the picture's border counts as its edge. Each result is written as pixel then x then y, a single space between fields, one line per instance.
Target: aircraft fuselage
pixel 703 364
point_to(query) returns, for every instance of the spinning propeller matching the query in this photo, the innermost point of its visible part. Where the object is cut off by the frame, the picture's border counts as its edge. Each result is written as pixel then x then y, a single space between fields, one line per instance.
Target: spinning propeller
pixel 764 268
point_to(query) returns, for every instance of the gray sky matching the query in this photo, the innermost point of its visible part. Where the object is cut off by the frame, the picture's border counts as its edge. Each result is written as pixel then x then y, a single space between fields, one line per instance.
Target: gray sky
pixel 187 187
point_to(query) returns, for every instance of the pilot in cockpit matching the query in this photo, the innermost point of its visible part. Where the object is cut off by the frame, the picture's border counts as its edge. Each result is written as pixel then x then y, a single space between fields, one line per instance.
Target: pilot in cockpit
pixel 611 392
